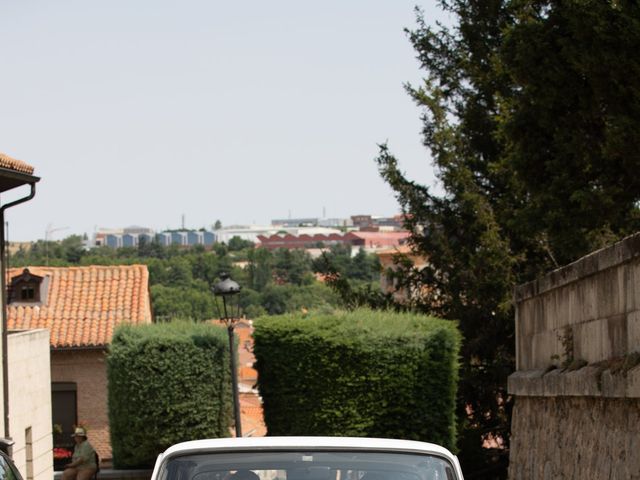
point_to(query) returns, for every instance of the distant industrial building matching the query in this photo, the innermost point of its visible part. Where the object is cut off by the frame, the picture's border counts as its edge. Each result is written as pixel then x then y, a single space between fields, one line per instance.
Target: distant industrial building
pixel 370 241
pixel 371 223
pixel 335 222
pixel 128 238
pixel 249 233
pixel 298 233
pixel 295 222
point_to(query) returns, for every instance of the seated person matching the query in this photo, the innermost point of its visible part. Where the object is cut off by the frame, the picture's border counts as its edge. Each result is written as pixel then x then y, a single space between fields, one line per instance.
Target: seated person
pixel 83 461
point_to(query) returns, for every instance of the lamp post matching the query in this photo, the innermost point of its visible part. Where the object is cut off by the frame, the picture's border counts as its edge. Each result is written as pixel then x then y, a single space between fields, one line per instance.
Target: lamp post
pixel 226 288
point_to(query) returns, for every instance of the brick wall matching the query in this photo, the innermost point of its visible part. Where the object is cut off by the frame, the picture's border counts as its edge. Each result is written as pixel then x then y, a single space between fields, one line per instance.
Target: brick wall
pixel 88 369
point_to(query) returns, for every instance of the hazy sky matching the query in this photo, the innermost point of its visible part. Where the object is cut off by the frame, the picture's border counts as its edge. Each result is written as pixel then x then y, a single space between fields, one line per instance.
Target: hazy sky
pixel 136 112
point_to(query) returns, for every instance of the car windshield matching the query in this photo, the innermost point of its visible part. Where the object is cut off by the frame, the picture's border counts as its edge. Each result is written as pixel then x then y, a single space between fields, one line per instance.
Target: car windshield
pixel 308 465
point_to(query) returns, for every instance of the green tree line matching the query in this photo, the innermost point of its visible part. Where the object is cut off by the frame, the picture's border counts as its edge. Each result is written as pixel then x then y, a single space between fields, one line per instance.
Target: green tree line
pixel 181 279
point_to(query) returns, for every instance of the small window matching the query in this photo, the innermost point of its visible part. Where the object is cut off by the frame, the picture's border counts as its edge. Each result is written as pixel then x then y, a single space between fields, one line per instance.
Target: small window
pixel 25 288
pixel 27 292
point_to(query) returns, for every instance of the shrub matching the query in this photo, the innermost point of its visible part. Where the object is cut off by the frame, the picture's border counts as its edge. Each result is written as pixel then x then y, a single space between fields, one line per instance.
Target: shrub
pixel 362 373
pixel 168 383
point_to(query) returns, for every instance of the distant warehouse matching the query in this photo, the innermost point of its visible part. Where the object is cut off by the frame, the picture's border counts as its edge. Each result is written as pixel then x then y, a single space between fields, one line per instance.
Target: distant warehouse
pixel 367 240
pixel 124 238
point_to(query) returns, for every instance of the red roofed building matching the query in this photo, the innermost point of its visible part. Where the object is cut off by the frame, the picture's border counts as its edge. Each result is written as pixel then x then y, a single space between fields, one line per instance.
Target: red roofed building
pixel 367 240
pixel 380 240
pixel 388 259
pixel 81 307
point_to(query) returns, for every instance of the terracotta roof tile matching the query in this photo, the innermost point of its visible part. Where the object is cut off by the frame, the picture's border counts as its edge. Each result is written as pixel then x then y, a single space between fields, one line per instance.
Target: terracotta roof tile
pixel 252 416
pixel 12 164
pixel 75 311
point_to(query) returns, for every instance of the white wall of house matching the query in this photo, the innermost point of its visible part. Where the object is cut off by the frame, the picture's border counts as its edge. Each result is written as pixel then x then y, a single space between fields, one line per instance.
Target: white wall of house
pixel 30 403
pixel 2 313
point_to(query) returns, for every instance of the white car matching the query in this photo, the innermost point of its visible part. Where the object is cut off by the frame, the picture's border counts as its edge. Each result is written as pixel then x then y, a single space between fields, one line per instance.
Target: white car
pixel 306 458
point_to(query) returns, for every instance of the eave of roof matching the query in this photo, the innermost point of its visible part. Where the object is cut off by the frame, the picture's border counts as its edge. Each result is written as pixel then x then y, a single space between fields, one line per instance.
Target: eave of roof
pixel 9 163
pixel 77 348
pixel 15 173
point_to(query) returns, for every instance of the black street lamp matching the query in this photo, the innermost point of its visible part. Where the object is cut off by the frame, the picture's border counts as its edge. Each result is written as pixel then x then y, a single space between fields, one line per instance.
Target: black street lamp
pixel 226 288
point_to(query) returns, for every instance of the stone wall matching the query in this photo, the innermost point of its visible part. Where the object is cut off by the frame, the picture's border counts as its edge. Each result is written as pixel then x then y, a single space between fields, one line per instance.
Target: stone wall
pixel 577 384
pixel 580 437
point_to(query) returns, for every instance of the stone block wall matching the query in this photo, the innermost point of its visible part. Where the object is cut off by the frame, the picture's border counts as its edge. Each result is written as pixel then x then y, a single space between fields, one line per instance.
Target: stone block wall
pixel 588 310
pixel 577 384
pixel 561 443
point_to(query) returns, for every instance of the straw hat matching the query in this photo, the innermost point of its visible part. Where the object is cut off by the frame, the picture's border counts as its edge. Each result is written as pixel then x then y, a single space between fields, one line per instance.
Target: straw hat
pixel 79 432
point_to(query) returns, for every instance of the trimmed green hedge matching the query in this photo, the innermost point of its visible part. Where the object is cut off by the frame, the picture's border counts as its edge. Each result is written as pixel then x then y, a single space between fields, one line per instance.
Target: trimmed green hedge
pixel 360 373
pixel 168 383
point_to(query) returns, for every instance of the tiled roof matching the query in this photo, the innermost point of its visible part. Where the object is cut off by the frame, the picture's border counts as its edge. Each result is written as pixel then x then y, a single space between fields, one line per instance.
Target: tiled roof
pixel 252 416
pixel 82 305
pixel 251 412
pixel 388 236
pixel 12 164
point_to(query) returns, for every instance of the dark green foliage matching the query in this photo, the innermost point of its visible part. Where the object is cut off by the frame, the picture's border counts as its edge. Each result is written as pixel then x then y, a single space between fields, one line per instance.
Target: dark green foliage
pixel 316 296
pixel 570 122
pixel 236 243
pixel 180 302
pixel 73 248
pixel 352 295
pixel 363 266
pixel 531 111
pixel 167 383
pixel 278 299
pixel 292 266
pixel 337 259
pixel 274 299
pixel 179 273
pixel 361 373
pixel 260 268
pixel 43 252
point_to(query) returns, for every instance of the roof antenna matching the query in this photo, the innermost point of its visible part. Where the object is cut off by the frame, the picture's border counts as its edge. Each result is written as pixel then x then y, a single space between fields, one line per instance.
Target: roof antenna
pixel 47 236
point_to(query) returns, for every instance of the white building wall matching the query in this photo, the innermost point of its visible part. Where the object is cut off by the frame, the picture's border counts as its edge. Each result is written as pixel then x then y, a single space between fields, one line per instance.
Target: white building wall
pixel 30 402
pixel 245 233
pixel 251 233
pixel 2 313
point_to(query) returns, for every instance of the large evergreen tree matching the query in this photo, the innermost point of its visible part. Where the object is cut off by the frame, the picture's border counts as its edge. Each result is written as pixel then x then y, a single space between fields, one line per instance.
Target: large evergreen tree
pixel 531 112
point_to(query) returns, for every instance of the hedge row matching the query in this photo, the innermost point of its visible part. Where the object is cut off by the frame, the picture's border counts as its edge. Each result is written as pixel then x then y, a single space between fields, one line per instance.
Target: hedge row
pixel 362 373
pixel 168 383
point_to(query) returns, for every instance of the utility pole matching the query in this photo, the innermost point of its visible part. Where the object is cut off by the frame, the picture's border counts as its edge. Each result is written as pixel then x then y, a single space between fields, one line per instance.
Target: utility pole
pixel 47 237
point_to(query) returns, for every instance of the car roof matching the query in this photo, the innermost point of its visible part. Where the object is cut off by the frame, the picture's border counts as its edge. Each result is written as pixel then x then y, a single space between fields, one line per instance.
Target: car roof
pixel 302 443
